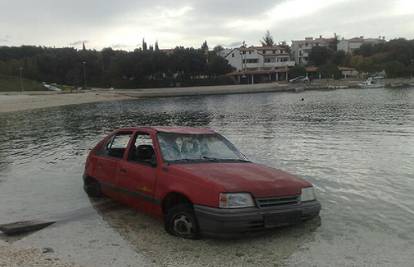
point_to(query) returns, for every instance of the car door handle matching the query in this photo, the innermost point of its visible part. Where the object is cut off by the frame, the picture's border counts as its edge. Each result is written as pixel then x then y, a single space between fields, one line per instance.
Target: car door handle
pixel 123 170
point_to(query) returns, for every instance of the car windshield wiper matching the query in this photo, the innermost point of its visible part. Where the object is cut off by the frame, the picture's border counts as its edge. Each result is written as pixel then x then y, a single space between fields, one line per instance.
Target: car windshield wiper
pixel 220 159
pixel 210 158
pixel 184 160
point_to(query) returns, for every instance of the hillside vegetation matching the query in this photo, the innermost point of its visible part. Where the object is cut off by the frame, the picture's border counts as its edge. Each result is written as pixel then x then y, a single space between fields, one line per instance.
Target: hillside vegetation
pixel 115 68
pixel 12 83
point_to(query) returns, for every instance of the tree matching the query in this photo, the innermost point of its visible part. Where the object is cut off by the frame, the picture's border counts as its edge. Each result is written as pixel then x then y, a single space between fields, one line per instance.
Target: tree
pixel 156 46
pixel 365 50
pixel 333 44
pixel 267 40
pixel 204 46
pixel 338 58
pixel 144 45
pixel 217 65
pixel 319 55
pixel 296 71
pixel 396 69
pixel 218 48
pixel 330 71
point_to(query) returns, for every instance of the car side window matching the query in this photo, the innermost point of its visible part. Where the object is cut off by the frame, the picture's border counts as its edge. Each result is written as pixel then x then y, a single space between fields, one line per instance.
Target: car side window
pixel 142 150
pixel 117 145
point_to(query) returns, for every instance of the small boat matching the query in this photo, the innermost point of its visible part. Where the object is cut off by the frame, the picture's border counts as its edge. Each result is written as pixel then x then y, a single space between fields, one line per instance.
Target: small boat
pixel 52 87
pixel 373 82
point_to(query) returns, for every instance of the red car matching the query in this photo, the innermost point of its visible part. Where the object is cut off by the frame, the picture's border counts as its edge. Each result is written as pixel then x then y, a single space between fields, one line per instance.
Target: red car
pixel 197 181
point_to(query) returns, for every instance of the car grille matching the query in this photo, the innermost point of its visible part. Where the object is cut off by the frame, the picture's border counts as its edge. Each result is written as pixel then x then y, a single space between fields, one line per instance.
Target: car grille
pixel 276 201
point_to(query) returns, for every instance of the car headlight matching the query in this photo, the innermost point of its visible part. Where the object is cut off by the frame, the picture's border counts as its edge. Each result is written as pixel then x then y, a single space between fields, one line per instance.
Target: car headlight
pixel 307 194
pixel 235 200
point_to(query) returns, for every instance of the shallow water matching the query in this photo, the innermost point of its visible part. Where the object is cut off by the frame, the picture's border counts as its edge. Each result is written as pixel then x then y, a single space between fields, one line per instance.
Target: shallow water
pixel 355 146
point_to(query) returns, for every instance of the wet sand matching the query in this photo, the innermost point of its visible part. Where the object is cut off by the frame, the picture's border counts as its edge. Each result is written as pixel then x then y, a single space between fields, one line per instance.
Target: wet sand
pixel 13 101
pixel 16 102
pixel 14 256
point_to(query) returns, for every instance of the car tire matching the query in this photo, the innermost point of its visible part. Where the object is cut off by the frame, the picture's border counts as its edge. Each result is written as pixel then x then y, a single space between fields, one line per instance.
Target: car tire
pixel 181 221
pixel 92 187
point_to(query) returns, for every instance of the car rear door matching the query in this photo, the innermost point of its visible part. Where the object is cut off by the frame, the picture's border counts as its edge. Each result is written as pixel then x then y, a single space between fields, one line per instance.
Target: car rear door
pixel 138 173
pixel 109 157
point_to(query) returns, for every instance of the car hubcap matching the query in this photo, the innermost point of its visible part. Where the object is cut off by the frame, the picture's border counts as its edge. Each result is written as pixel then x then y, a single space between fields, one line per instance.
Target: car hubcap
pixel 183 225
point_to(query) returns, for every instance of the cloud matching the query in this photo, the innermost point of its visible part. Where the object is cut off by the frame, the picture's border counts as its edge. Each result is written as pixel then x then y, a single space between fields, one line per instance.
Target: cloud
pixel 234 44
pixel 190 22
pixel 5 38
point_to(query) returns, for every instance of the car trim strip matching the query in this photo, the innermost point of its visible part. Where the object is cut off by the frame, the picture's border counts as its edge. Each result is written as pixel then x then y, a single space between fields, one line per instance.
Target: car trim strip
pixel 132 193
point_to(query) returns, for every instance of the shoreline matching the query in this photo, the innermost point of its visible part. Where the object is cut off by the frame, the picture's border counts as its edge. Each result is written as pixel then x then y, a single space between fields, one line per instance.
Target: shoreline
pixel 15 101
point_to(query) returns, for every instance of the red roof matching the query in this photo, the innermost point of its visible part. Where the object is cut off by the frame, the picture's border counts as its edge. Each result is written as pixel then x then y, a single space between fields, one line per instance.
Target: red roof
pixel 312 69
pixel 173 129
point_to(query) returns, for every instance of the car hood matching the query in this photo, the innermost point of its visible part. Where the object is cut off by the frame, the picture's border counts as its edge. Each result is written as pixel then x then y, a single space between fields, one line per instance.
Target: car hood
pixel 260 180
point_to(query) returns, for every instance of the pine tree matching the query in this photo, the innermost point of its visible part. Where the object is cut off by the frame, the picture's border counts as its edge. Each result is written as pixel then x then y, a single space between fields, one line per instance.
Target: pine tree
pixel 267 39
pixel 144 45
pixel 156 46
pixel 204 46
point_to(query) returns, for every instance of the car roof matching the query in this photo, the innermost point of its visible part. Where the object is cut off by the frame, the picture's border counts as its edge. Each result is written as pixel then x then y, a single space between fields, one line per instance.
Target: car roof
pixel 174 129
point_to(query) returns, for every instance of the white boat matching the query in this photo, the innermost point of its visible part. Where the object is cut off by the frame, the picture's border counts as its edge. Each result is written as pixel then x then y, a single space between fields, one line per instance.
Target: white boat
pixel 373 82
pixel 52 87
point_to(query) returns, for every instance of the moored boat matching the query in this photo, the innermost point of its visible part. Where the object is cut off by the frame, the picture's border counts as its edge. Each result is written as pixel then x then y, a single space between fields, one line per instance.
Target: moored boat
pixel 373 82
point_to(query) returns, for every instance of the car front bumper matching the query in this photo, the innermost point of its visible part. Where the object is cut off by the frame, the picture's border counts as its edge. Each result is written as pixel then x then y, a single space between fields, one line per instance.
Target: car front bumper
pixel 233 222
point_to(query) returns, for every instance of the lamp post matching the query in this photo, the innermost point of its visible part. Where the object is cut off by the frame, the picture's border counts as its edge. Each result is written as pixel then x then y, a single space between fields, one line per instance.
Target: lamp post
pixel 84 74
pixel 21 79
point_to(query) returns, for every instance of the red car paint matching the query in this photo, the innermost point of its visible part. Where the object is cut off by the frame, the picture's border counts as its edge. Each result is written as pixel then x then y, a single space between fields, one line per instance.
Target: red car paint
pixel 145 187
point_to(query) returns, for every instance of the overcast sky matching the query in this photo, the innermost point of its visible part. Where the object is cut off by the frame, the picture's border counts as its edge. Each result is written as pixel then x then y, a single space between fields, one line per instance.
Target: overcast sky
pixel 122 24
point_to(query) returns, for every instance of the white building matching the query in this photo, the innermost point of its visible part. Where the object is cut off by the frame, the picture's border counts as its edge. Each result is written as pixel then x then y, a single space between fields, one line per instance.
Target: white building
pixel 258 57
pixel 260 63
pixel 350 45
pixel 302 48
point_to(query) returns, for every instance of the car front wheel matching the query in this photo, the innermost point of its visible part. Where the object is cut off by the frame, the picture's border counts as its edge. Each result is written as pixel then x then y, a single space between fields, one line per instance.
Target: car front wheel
pixel 181 221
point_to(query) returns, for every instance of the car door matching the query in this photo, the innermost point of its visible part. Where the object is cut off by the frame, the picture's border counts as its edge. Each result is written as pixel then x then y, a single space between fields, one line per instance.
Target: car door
pixel 137 174
pixel 109 157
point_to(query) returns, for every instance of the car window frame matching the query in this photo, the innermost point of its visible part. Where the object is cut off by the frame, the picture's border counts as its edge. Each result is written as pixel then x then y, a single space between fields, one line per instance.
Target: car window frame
pixel 104 151
pixel 132 142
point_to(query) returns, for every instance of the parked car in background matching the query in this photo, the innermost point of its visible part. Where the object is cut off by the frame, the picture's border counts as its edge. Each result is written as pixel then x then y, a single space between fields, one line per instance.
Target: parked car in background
pixel 300 79
pixel 196 181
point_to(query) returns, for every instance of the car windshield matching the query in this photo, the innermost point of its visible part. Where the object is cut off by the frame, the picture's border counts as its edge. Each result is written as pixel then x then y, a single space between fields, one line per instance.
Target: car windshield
pixel 197 147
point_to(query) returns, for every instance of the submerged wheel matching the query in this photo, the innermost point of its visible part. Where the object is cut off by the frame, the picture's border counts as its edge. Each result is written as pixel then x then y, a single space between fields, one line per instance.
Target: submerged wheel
pixel 92 187
pixel 181 221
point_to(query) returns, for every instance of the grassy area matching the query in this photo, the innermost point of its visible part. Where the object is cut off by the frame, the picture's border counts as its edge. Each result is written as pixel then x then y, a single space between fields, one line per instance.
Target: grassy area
pixel 12 83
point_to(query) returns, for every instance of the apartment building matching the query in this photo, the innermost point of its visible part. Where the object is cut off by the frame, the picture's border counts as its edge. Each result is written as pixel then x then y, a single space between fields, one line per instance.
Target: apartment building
pixel 260 63
pixel 301 48
pixel 350 45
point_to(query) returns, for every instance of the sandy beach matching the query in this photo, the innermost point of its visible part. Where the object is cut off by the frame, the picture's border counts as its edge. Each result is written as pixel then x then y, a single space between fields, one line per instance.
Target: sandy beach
pixel 15 101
